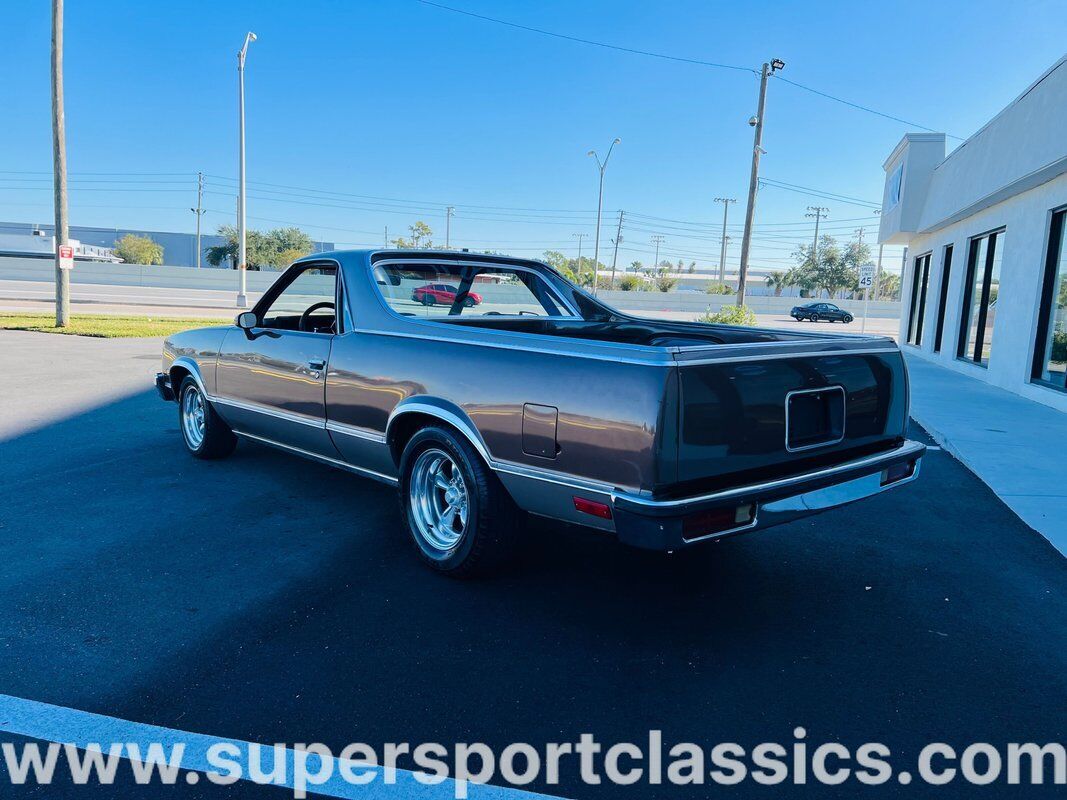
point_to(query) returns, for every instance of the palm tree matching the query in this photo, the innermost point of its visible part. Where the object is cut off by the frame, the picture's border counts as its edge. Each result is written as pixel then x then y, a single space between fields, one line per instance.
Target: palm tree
pixel 777 280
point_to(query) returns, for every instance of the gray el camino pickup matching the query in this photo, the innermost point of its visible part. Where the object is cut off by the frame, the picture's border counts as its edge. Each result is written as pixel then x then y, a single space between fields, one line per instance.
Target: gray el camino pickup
pixel 485 387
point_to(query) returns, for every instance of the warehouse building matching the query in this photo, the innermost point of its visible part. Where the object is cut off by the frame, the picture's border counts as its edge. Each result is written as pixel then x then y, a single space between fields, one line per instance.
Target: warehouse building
pixel 985 281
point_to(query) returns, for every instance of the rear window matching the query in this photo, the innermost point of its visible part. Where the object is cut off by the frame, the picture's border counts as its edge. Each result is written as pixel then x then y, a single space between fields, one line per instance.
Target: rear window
pixel 442 290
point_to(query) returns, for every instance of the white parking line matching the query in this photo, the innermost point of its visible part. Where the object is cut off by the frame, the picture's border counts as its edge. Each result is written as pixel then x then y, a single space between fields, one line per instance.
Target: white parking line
pixel 51 723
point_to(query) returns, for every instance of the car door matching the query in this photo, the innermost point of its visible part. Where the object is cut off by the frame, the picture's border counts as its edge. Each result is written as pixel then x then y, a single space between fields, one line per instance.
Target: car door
pixel 270 380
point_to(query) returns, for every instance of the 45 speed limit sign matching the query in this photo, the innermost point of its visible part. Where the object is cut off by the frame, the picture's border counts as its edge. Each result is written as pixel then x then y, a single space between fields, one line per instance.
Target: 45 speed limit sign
pixel 867 276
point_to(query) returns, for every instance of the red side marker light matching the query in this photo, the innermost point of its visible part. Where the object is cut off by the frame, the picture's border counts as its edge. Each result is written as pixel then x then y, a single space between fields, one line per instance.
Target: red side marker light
pixel 592 508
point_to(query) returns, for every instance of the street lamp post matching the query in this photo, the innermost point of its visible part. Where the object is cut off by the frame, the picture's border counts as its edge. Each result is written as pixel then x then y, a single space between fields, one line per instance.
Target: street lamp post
pixel 599 209
pixel 242 254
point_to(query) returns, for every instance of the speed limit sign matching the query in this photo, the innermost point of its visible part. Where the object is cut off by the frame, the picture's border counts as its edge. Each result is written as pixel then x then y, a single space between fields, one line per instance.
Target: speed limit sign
pixel 867 276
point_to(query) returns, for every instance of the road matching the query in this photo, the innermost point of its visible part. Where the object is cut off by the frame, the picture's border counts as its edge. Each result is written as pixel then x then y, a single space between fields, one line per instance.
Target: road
pixel 34 296
pixel 275 600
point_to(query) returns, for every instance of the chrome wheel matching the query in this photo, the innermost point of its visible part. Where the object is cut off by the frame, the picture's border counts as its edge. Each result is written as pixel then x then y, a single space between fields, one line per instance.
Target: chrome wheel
pixel 440 502
pixel 193 413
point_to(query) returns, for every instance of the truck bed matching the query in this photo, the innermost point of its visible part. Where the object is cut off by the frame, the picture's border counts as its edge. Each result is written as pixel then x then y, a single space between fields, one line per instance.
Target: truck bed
pixel 642 332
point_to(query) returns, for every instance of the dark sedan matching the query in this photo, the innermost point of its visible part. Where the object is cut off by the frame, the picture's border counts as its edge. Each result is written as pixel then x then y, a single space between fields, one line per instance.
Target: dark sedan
pixel 814 312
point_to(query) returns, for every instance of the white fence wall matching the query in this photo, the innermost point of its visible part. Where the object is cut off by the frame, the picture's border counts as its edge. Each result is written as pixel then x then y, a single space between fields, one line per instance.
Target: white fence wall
pixel 37 269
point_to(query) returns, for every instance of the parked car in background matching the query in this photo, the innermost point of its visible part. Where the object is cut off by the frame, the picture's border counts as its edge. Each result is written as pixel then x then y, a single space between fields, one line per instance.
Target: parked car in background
pixel 443 294
pixel 544 400
pixel 815 312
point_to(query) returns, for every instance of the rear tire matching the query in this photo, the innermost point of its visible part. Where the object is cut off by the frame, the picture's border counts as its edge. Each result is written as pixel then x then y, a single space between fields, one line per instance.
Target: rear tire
pixel 813 318
pixel 428 300
pixel 460 517
pixel 205 435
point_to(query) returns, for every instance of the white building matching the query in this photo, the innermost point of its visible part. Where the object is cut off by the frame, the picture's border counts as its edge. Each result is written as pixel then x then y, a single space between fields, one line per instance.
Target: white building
pixel 985 284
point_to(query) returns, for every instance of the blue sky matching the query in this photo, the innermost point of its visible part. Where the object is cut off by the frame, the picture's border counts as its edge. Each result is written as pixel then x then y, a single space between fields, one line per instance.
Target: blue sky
pixel 396 99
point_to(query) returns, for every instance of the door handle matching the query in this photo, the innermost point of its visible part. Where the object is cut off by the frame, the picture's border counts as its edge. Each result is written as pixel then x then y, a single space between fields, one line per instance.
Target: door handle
pixel 317 364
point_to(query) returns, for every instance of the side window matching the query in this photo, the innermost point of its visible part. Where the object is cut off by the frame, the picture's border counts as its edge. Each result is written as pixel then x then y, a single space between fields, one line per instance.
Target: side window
pixel 444 290
pixel 305 304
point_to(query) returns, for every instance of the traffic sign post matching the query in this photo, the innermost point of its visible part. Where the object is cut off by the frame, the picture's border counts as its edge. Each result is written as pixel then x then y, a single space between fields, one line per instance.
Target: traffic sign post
pixel 66 256
pixel 866 282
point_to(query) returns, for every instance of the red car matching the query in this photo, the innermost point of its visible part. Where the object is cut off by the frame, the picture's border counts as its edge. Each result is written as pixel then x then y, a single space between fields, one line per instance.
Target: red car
pixel 443 293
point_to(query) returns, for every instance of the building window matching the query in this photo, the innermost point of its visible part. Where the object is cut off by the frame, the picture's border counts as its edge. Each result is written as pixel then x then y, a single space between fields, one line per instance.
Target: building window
pixel 1050 355
pixel 920 280
pixel 980 298
pixel 895 180
pixel 942 301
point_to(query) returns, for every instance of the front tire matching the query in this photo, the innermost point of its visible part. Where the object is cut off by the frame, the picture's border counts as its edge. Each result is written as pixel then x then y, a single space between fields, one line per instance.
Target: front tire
pixel 203 431
pixel 813 318
pixel 847 320
pixel 461 519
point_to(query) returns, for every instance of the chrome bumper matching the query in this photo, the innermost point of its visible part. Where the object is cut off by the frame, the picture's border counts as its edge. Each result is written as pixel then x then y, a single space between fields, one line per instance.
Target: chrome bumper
pixel 660 524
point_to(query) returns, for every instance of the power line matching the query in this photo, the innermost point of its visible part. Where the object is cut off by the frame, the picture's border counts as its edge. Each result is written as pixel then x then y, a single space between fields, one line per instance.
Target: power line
pixel 579 40
pixel 667 57
pixel 863 108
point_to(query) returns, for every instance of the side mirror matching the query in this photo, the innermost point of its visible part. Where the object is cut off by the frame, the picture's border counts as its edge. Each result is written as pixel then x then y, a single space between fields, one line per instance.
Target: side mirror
pixel 247 320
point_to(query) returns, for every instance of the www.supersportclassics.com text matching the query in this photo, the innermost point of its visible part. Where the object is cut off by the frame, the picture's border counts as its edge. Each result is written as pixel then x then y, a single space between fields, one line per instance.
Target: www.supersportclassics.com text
pixel 303 767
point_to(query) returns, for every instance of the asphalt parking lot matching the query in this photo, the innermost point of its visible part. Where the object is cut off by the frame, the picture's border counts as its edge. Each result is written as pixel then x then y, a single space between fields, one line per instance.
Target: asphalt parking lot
pixel 275 600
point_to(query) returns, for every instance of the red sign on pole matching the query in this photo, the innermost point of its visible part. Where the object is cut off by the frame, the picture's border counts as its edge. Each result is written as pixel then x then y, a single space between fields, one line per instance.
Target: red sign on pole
pixel 66 256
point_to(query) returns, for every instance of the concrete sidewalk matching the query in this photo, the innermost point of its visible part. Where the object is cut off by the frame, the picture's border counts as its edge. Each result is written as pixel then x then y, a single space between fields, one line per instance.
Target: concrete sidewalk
pixel 1014 445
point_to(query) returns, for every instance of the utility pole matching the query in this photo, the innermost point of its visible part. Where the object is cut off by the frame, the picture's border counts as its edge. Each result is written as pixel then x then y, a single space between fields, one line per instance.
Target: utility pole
pixel 448 225
pixel 242 250
pixel 578 269
pixel 878 271
pixel 386 235
pixel 722 255
pixel 199 211
pixel 615 255
pixel 656 240
pixel 59 166
pixel 819 212
pixel 753 179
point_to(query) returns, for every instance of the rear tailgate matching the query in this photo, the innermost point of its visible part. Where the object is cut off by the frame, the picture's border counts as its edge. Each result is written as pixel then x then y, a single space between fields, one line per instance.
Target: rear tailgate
pixel 764 411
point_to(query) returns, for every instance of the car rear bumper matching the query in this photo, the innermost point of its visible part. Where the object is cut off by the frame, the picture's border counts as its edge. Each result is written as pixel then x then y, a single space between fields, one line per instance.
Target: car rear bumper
pixel 670 524
pixel 166 391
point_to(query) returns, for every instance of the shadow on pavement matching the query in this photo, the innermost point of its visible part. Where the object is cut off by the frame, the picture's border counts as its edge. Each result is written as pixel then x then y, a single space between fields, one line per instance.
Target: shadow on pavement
pixel 273 599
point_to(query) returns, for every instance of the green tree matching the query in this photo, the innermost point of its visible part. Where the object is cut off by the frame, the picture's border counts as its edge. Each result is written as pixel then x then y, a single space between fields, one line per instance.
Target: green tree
pixel 635 266
pixel 834 267
pixel 135 249
pixel 276 248
pixel 777 280
pixel 257 250
pixel 889 286
pixel 286 245
pixel 421 237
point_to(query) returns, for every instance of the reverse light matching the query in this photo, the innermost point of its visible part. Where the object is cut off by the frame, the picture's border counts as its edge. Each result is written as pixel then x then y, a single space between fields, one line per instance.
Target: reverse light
pixel 717 520
pixel 897 472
